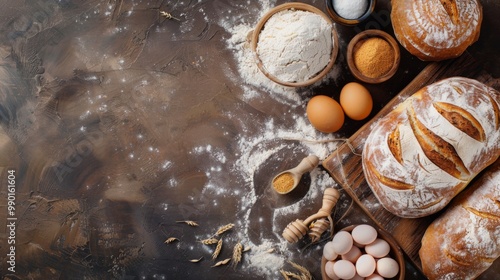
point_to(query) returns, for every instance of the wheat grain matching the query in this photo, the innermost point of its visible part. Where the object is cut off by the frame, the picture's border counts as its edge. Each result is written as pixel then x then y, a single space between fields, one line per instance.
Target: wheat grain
pixel 217 249
pixel 191 223
pixel 237 252
pixel 168 15
pixel 171 239
pixel 196 260
pixel 223 262
pixel 209 241
pixel 223 229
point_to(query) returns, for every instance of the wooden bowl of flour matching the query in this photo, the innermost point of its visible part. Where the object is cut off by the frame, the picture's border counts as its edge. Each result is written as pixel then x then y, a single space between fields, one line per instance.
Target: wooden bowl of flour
pixel 295 75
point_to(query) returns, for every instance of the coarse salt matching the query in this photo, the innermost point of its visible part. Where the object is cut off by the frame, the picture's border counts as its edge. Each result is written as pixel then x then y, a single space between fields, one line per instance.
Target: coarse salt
pixel 350 9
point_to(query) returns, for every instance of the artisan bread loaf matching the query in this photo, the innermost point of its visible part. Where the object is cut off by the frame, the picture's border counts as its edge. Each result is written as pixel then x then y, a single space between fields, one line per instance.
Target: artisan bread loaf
pixel 427 149
pixel 436 30
pixel 465 240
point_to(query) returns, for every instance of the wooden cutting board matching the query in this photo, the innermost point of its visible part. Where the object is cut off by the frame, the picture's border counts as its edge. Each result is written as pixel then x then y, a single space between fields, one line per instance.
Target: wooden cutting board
pixel 344 164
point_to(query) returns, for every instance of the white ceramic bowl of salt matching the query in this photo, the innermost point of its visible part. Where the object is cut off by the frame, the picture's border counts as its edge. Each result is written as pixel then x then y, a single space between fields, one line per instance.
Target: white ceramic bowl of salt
pixel 347 14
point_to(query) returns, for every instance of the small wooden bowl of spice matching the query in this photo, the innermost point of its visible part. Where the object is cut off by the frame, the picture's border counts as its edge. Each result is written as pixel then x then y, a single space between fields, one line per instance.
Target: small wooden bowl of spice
pixel 295 44
pixel 350 12
pixel 373 56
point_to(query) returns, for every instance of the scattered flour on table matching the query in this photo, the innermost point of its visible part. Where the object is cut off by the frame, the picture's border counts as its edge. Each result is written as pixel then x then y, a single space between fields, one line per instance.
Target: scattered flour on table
pixel 250 160
pixel 263 257
pixel 254 150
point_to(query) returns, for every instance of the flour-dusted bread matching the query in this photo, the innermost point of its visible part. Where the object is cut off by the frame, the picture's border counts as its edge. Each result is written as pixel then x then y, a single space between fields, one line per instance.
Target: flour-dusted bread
pixel 424 152
pixel 465 240
pixel 435 30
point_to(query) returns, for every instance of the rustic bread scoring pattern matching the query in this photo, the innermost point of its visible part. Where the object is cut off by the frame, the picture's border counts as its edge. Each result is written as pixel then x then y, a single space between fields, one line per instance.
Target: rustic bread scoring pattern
pixel 465 241
pixel 424 152
pixel 436 29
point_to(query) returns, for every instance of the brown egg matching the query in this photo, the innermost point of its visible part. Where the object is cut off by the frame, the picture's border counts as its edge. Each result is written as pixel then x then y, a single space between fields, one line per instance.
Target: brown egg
pixel 325 114
pixel 356 101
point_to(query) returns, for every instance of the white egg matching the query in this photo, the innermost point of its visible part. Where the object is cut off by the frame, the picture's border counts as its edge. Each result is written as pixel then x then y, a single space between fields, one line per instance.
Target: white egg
pixel 365 265
pixel 360 246
pixel 374 276
pixel 364 234
pixel 352 255
pixel 378 248
pixel 344 269
pixel 387 267
pixel 329 270
pixel 357 277
pixel 329 251
pixel 342 242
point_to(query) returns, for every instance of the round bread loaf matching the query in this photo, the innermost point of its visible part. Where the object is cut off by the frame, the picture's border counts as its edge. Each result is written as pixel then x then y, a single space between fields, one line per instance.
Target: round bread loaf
pixel 427 149
pixel 464 241
pixel 434 30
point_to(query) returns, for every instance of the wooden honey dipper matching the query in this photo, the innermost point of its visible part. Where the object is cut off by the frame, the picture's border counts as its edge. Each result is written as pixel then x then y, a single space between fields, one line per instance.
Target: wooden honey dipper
pixel 318 227
pixel 298 229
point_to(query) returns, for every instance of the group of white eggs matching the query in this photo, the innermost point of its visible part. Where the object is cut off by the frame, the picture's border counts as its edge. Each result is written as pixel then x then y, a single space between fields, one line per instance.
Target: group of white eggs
pixel 360 254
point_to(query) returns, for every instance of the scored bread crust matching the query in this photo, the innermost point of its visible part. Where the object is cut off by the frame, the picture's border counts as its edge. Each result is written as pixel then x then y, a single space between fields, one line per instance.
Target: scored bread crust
pixel 435 30
pixel 427 149
pixel 464 241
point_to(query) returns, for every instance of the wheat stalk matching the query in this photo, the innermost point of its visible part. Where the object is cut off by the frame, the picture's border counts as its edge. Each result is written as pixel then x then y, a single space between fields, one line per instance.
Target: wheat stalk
pixel 285 274
pixel 209 241
pixel 305 273
pixel 223 229
pixel 191 223
pixel 237 252
pixel 171 239
pixel 288 274
pixel 217 249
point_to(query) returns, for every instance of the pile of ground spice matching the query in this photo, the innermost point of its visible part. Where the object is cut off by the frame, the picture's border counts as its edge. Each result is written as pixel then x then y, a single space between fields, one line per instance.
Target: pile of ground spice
pixel 374 57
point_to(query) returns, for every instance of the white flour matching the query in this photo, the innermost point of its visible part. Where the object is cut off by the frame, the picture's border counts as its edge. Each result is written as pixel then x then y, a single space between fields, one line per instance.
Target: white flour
pixel 264 257
pixel 295 45
pixel 253 79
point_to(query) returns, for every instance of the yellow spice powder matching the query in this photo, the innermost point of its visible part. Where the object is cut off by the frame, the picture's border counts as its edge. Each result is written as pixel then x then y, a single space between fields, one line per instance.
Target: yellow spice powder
pixel 283 183
pixel 374 57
